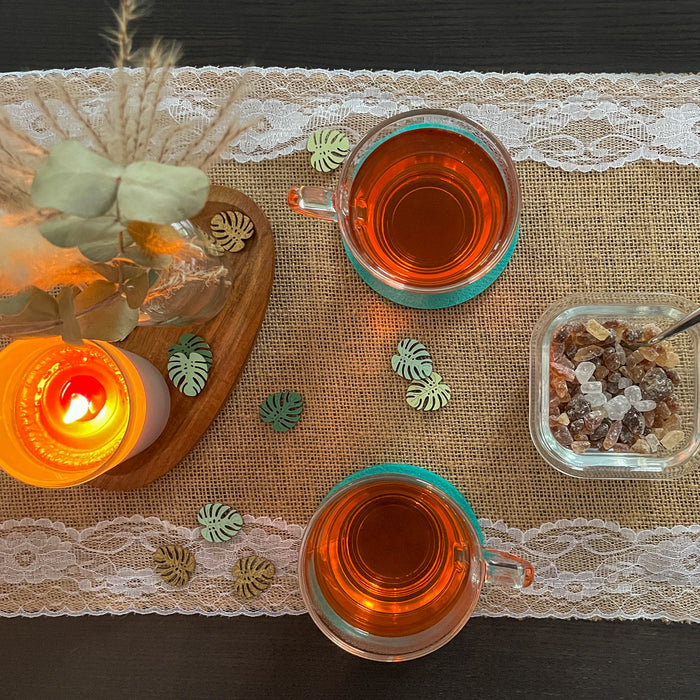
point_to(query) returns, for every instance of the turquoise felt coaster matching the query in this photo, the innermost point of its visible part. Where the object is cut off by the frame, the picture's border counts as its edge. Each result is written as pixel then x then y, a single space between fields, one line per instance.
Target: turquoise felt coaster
pixel 418 473
pixel 434 301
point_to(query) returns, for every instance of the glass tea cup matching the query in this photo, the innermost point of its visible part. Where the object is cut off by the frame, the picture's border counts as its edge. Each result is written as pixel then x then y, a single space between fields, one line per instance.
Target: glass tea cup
pixel 392 563
pixel 428 205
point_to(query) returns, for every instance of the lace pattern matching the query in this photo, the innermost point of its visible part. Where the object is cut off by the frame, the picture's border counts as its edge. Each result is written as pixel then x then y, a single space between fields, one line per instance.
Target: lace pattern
pixel 583 569
pixel 578 122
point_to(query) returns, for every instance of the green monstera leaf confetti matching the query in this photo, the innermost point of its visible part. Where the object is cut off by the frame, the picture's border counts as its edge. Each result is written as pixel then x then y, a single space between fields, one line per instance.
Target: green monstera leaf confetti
pixel 188 373
pixel 328 149
pixel 283 410
pixel 231 229
pixel 412 360
pixel 219 522
pixel 428 394
pixel 189 343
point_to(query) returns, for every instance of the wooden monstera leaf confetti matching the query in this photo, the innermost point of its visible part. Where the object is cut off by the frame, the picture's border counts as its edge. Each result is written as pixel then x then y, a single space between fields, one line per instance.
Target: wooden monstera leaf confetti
pixel 219 522
pixel 412 360
pixel 252 576
pixel 231 229
pixel 189 343
pixel 328 149
pixel 283 410
pixel 174 564
pixel 188 373
pixel 428 394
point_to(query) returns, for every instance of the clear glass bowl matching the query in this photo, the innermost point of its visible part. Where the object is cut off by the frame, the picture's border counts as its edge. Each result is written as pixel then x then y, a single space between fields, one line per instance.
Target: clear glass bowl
pixel 638 309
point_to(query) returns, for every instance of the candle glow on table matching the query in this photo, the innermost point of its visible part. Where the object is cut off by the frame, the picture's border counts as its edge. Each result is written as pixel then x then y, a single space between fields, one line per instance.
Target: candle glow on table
pixel 70 413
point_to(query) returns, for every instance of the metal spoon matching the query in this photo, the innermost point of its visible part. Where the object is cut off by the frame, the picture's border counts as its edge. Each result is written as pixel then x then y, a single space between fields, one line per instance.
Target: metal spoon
pixel 678 327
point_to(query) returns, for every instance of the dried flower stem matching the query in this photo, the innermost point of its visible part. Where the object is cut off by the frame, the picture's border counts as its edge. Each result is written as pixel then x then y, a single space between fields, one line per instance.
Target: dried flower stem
pixel 221 114
pixel 235 129
pixel 77 114
pixel 13 198
pixel 162 59
pixel 49 117
pixel 9 130
pixel 121 36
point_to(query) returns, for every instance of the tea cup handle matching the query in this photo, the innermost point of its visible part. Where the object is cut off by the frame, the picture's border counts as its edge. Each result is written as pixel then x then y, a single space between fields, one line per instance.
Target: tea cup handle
pixel 506 570
pixel 312 201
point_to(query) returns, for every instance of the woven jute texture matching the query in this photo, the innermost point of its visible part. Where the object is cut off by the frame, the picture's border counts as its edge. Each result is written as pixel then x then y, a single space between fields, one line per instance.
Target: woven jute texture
pixel 329 337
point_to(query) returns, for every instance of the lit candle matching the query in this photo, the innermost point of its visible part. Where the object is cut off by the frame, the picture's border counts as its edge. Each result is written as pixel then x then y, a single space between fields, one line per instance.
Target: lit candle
pixel 71 413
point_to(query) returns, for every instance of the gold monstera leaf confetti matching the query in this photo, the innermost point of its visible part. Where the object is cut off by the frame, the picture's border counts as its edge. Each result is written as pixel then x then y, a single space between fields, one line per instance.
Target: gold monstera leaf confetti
pixel 174 564
pixel 252 576
pixel 231 229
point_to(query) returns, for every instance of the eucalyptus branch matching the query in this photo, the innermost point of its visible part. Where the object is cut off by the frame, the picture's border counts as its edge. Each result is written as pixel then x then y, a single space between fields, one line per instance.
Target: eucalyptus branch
pixel 40 327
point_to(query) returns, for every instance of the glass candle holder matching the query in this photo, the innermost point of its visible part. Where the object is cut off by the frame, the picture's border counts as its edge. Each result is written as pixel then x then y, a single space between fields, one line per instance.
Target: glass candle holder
pixel 69 413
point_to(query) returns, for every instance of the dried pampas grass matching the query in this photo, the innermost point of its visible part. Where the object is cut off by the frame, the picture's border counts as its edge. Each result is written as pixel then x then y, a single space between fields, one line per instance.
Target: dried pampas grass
pixel 124 132
pixel 29 259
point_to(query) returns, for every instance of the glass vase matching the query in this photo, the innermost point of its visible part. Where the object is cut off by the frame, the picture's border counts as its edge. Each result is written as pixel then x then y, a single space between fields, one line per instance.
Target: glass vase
pixel 194 287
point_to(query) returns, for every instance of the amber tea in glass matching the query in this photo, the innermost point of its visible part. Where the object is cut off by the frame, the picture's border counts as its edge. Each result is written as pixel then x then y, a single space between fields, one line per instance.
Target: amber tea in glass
pixel 428 202
pixel 427 206
pixel 391 566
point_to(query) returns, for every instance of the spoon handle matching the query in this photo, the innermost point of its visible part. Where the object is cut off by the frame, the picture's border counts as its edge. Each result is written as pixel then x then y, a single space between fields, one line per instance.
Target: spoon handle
pixel 678 327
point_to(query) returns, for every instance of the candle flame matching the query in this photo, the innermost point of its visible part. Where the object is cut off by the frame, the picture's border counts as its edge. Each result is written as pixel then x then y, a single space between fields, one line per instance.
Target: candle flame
pixel 79 408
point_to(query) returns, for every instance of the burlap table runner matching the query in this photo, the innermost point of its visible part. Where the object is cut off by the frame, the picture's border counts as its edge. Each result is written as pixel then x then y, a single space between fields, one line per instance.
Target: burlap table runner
pixel 329 337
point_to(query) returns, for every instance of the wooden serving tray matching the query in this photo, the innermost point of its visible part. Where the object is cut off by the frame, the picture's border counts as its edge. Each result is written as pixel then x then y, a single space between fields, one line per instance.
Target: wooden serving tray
pixel 231 336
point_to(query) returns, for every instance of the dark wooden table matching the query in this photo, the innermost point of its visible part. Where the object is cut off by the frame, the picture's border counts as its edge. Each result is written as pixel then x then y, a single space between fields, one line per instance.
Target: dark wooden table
pixel 192 656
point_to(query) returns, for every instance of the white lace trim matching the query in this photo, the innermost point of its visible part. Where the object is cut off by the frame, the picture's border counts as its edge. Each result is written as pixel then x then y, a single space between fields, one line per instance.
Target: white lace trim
pixel 583 569
pixel 578 122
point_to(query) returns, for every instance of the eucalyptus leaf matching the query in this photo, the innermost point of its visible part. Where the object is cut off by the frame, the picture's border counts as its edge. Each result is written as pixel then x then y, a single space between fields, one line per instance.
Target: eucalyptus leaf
pixel 136 289
pixel 32 305
pixel 72 231
pixel 143 259
pixel 76 181
pixel 100 251
pixel 14 304
pixel 109 272
pixel 161 194
pixel 70 329
pixel 96 238
pixel 103 313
